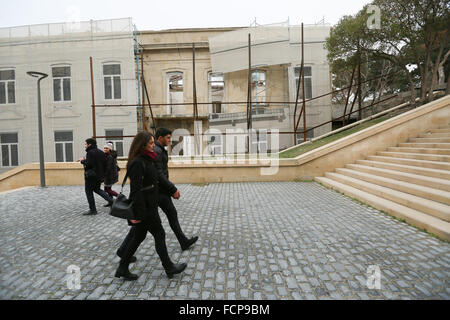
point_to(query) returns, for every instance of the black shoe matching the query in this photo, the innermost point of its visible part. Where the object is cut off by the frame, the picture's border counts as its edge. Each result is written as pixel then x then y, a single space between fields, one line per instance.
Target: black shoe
pixel 125 274
pixel 109 204
pixel 174 269
pixel 189 243
pixel 90 213
pixel 132 260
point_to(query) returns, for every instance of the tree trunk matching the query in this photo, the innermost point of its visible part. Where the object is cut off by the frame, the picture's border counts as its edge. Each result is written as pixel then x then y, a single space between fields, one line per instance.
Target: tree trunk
pixel 435 68
pixel 424 90
pixel 447 91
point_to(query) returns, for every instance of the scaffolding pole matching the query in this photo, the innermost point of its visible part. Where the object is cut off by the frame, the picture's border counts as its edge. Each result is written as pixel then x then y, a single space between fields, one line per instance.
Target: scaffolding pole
pixel 94 131
pixel 249 93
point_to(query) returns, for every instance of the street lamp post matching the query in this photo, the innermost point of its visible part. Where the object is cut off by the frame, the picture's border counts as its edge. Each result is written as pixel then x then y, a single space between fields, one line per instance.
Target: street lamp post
pixel 41 76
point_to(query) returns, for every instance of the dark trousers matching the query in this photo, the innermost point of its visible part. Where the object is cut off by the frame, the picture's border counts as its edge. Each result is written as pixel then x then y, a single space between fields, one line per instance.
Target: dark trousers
pixel 94 186
pixel 166 204
pixel 138 233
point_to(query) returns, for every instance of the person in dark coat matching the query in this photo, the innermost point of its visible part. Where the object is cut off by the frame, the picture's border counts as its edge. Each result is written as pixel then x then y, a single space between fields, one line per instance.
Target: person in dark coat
pixel 166 190
pixel 143 175
pixel 94 174
pixel 111 170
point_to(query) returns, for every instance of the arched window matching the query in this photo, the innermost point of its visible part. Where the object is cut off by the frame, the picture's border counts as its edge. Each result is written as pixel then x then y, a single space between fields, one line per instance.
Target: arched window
pixel 216 86
pixel 175 85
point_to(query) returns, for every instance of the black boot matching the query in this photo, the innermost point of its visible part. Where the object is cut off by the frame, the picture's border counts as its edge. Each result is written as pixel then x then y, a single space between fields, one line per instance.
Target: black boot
pixel 188 243
pixel 174 269
pixel 122 271
pixel 109 204
pixel 90 213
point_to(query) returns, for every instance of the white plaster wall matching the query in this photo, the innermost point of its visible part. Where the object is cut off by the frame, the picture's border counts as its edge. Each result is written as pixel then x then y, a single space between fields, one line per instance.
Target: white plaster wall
pixel 40 54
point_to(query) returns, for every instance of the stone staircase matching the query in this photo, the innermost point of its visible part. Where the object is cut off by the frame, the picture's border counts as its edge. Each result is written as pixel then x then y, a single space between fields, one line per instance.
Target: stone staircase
pixel 410 181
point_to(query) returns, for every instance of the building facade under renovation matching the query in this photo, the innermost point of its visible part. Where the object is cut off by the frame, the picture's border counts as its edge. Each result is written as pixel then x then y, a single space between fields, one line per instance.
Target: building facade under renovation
pixel 63 52
pixel 211 66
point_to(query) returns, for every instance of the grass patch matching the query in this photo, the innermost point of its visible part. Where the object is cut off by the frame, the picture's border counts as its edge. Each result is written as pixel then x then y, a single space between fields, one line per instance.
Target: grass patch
pixel 294 152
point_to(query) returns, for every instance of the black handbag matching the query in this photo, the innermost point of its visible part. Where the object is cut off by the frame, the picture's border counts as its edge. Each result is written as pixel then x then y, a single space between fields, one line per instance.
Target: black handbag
pixel 122 207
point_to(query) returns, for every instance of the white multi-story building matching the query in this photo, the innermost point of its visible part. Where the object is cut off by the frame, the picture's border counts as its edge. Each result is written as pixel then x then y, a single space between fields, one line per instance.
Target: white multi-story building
pixel 63 52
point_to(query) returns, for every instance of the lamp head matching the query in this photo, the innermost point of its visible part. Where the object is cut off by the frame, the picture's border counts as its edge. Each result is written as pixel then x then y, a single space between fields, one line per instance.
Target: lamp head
pixel 37 74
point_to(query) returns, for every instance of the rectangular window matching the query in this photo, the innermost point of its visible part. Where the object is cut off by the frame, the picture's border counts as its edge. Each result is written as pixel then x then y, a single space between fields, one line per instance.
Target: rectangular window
pixel 115 136
pixel 300 136
pixel 308 83
pixel 64 146
pixel 9 143
pixel 216 85
pixel 259 141
pixel 7 86
pixel 112 81
pixel 61 84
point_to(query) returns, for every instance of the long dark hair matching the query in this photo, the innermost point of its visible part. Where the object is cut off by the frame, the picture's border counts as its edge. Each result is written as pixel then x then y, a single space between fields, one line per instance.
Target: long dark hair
pixel 138 145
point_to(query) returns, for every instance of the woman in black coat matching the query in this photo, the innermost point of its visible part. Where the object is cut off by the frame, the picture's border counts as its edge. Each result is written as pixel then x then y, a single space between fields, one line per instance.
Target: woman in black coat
pixel 111 169
pixel 144 194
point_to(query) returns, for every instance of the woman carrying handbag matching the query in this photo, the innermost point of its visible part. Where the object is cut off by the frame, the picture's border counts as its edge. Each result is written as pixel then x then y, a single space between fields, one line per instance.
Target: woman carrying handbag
pixel 144 196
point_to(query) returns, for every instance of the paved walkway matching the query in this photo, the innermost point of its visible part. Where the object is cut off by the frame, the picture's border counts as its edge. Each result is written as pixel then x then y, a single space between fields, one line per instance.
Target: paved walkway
pixel 257 241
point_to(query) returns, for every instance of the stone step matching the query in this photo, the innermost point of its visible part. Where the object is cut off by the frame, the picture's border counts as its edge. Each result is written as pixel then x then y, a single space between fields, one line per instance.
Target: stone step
pixel 423 180
pixel 425 145
pixel 419 150
pixel 403 186
pixel 417 156
pixel 434 173
pixel 430 140
pixel 419 219
pixel 441 130
pixel 433 208
pixel 435 135
pixel 412 162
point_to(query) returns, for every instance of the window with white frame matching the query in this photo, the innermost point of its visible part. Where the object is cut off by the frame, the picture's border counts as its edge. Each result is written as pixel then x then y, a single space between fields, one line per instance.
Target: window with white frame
pixel 115 136
pixel 308 82
pixel 216 86
pixel 9 144
pixel 112 82
pixel 64 146
pixel 7 86
pixel 61 84
pixel 175 89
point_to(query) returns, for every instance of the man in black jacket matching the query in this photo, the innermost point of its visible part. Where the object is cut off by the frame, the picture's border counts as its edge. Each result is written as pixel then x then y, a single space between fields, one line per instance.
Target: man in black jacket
pixel 166 190
pixel 94 174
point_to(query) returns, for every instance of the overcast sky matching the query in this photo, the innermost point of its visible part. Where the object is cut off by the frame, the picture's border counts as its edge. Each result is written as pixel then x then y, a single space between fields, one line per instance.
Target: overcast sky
pixel 171 14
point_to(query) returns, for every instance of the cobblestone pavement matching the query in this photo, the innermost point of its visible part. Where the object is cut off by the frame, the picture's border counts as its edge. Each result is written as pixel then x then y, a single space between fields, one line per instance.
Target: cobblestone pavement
pixel 257 241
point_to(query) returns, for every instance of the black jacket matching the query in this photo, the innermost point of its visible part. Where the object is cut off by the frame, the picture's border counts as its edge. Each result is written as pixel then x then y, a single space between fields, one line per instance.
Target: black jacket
pixel 95 158
pixel 143 174
pixel 162 159
pixel 111 172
